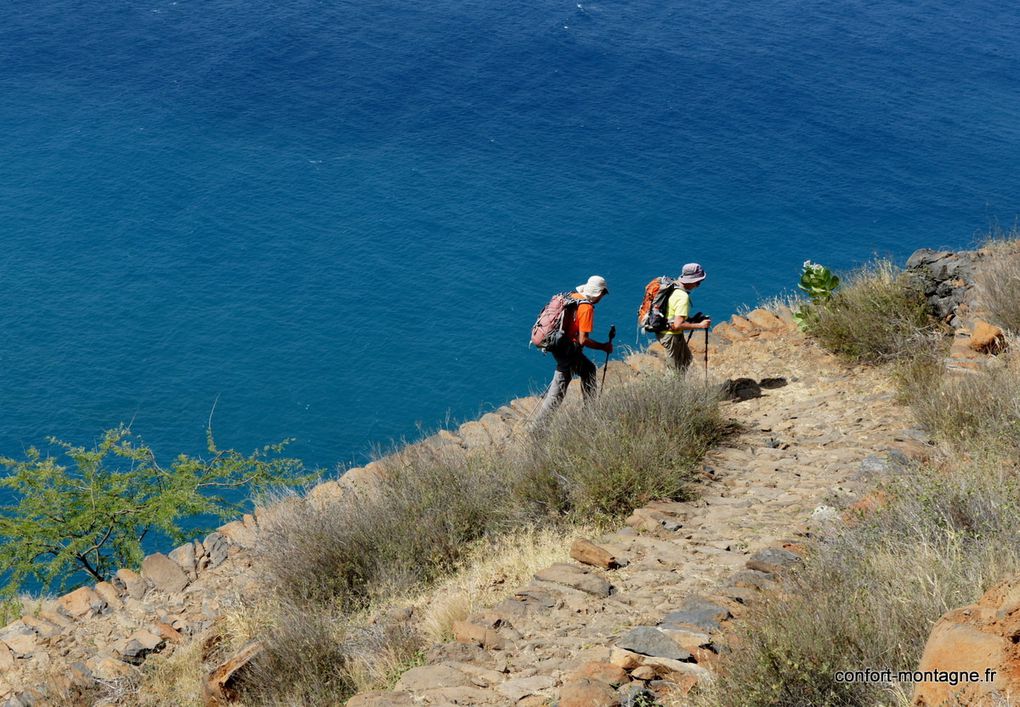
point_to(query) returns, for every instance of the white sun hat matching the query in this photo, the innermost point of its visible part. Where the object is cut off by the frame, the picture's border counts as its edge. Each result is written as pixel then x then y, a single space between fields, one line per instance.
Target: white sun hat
pixel 595 286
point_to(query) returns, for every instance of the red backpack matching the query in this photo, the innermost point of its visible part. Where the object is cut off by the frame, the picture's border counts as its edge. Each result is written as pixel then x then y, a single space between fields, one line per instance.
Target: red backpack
pixel 548 333
pixel 652 312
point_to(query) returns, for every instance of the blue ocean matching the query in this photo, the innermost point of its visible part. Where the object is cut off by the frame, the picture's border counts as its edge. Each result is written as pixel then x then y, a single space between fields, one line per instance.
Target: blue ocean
pixel 337 221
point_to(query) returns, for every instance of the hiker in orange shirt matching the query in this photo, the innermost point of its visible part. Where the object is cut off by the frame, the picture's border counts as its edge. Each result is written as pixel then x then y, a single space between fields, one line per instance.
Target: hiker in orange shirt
pixel 570 358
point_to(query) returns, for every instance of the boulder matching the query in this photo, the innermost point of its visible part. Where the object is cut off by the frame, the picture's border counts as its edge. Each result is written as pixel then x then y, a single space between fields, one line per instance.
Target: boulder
pixel 740 389
pixel 585 692
pixel 184 556
pixel 979 640
pixel 109 594
pixel 6 658
pixel 987 338
pixel 588 553
pixel 431 677
pixel 133 583
pixel 239 534
pixel 138 645
pixel 164 574
pixel 699 612
pixel 81 602
pixel 647 640
pixel 576 578
pixel 215 546
pixel 604 672
pixel 773 560
pixel 519 688
pixel 727 332
pixel 483 636
pixel 764 319
pixel 221 684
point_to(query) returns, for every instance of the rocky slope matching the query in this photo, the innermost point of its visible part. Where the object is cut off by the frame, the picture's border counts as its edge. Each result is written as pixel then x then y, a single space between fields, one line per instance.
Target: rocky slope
pixel 640 609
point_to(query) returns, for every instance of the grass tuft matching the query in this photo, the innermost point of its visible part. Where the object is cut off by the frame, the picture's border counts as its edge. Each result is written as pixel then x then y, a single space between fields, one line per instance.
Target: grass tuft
pixel 876 316
pixel 999 281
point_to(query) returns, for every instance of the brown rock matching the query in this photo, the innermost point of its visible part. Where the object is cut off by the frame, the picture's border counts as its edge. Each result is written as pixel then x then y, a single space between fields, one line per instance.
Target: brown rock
pixel 519 688
pixel 644 672
pixel 134 584
pixel 576 578
pixel 138 646
pixel 742 324
pixel 381 698
pixel 588 553
pixel 764 319
pixel 184 556
pixel 6 658
pixel 42 627
pixel 109 594
pixel 585 692
pixel 980 639
pixel 987 338
pixel 164 573
pixel 728 331
pixel 167 632
pixel 106 667
pixel 604 672
pixel 431 677
pixel 238 534
pixel 23 643
pixel 80 602
pixel 467 632
pixel 624 659
pixel 221 684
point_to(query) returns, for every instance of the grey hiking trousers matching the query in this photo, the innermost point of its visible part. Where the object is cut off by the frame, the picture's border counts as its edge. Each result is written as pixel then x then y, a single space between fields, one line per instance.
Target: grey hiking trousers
pixel 567 364
pixel 679 352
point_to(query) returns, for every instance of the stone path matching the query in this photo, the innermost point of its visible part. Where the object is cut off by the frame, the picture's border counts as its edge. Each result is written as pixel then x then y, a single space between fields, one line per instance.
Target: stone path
pixel 586 635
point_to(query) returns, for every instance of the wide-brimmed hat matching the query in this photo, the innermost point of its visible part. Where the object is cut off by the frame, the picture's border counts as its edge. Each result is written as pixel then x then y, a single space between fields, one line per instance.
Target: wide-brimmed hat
pixel 595 286
pixel 691 274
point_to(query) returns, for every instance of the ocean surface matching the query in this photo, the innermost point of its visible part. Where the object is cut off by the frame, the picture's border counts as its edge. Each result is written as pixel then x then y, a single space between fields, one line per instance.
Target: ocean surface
pixel 337 221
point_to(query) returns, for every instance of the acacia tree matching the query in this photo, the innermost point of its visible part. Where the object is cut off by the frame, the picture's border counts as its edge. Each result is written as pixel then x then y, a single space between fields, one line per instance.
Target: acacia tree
pixel 91 516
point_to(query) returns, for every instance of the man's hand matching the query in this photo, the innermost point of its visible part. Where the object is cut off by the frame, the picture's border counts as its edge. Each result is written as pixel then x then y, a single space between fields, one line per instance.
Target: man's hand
pixel 608 347
pixel 705 324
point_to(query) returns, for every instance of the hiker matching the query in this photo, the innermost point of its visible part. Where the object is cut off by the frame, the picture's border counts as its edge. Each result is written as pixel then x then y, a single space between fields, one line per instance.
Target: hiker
pixel 679 320
pixel 570 358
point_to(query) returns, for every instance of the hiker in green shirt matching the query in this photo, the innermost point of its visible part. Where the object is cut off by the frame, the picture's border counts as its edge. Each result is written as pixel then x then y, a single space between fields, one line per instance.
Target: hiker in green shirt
pixel 679 319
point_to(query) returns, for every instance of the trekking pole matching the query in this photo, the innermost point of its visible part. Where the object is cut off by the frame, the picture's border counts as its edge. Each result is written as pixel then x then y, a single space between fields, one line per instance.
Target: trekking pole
pixel 706 356
pixel 612 335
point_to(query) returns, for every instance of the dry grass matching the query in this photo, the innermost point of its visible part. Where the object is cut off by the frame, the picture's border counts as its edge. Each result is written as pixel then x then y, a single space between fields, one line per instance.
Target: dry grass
pixel 943 540
pixel 641 443
pixel 998 281
pixel 173 679
pixel 488 573
pixel 975 414
pixel 443 533
pixel 947 533
pixel 876 316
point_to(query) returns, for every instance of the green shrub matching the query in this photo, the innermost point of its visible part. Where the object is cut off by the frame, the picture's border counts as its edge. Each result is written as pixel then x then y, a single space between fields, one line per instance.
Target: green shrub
pixel 876 316
pixel 80 522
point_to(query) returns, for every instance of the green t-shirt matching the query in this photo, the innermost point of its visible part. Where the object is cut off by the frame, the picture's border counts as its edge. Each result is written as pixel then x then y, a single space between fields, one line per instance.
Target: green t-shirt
pixel 679 305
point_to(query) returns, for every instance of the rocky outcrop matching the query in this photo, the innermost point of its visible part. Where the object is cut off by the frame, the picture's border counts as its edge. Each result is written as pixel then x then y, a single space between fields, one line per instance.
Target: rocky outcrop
pixel 978 648
pixel 946 279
